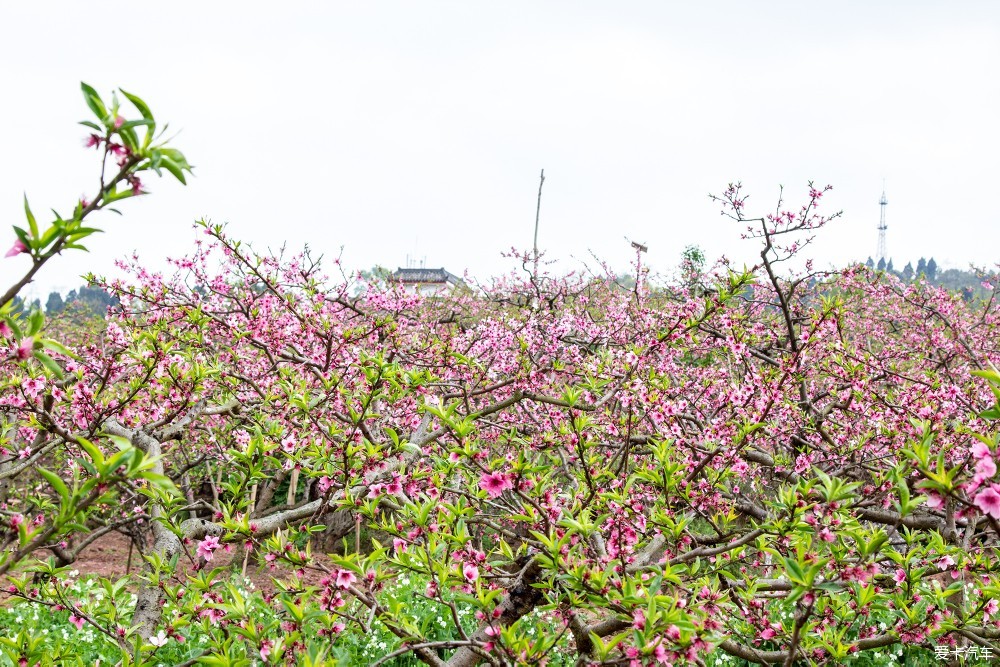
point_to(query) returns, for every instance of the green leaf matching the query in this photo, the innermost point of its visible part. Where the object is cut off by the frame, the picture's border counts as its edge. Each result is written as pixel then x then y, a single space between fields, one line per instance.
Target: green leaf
pixel 874 543
pixel 120 459
pixel 173 168
pixel 121 192
pixel 15 327
pixel 32 224
pixel 147 117
pixel 92 125
pixel 92 451
pixel 48 237
pixel 176 156
pixel 602 648
pixel 21 235
pixel 129 137
pixel 992 414
pixel 992 375
pixel 161 482
pixel 135 123
pixel 35 322
pixel 58 347
pixel 121 442
pixel 56 483
pixel 49 363
pixel 81 233
pixel 94 102
pixel 139 104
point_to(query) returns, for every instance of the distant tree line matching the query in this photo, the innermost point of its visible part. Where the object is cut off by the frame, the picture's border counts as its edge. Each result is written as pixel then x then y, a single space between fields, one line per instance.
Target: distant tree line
pixel 969 283
pixel 85 300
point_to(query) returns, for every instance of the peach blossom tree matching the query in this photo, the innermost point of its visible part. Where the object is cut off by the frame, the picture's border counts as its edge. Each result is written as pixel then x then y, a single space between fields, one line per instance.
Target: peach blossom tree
pixel 783 465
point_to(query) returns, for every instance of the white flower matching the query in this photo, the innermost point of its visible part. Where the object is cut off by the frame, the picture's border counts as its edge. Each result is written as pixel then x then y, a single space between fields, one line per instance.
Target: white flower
pixel 159 640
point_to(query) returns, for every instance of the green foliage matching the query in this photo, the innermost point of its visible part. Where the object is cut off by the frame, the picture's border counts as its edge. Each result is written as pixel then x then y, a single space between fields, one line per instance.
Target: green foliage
pixel 43 633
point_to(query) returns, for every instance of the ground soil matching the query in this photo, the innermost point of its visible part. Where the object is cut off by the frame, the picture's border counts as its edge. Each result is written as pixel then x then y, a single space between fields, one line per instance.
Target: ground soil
pixel 109 557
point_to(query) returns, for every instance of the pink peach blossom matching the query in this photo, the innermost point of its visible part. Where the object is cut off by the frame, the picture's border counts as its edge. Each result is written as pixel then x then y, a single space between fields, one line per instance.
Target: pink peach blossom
pixel 25 348
pixel 494 484
pixel 345 578
pixel 16 249
pixel 988 500
pixel 207 546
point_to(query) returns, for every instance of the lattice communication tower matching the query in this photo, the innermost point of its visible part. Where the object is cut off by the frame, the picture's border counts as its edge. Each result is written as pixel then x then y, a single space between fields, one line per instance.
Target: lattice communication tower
pixel 881 252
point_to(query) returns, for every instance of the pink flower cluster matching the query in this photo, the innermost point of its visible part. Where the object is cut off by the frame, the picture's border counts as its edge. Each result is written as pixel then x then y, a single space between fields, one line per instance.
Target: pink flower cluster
pixel 495 483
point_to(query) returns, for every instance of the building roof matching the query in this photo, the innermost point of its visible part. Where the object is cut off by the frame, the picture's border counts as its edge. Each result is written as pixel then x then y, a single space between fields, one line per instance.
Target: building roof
pixel 425 276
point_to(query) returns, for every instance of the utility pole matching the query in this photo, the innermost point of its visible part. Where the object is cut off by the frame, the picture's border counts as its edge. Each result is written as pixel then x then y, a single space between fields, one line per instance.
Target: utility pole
pixel 639 249
pixel 538 211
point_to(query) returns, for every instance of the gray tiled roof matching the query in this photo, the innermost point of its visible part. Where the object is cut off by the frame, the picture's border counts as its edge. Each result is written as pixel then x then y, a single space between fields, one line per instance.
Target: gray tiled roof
pixel 425 276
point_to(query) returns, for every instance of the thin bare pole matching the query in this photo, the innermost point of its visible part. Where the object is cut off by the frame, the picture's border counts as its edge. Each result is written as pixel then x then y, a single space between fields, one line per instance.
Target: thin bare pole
pixel 538 211
pixel 251 510
pixel 639 249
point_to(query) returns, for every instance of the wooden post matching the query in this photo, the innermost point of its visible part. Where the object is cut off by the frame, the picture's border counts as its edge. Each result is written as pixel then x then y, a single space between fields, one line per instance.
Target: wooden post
pixel 212 484
pixel 293 486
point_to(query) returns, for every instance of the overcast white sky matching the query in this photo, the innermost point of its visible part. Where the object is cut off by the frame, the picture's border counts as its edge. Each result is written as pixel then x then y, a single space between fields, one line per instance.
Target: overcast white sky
pixel 419 128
